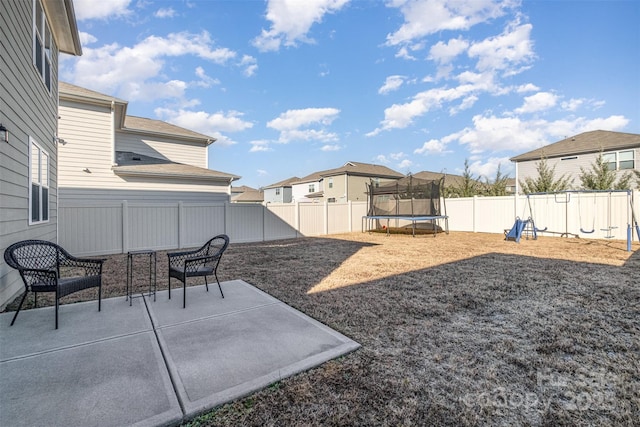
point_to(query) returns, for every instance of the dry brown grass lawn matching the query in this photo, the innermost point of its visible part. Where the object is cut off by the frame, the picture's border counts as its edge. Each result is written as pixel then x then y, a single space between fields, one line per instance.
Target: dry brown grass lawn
pixel 461 329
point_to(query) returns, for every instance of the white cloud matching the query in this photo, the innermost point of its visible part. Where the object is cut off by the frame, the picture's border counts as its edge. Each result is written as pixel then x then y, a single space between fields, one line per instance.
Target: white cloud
pixel 132 72
pixel 205 81
pixel 291 20
pixel 250 65
pixel 91 9
pixel 165 12
pixel 487 170
pixel 405 164
pixel 403 52
pixel 262 172
pixel 391 83
pixel 331 147
pixel 529 87
pixel 538 102
pixel 260 146
pixel 212 124
pixel 381 158
pixel 425 17
pixel 433 146
pixel 291 124
pixel 495 134
pixel 512 47
pixel 444 53
pixel 397 156
pixel 86 38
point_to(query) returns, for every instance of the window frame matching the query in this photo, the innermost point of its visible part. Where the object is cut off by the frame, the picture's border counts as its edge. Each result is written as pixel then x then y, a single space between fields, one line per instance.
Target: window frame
pixel 632 160
pixel 42 45
pixel 312 188
pixel 615 164
pixel 42 182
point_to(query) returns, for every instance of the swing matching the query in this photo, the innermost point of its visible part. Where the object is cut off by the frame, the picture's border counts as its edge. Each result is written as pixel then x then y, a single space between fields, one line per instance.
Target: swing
pixel 609 227
pixel 531 216
pixel 593 225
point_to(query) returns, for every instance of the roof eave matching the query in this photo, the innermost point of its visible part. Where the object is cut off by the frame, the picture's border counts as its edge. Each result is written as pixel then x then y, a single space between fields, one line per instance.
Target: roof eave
pixel 148 174
pixel 62 20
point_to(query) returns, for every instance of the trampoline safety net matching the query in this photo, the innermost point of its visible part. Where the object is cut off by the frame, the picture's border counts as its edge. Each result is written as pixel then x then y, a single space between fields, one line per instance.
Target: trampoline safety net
pixel 408 196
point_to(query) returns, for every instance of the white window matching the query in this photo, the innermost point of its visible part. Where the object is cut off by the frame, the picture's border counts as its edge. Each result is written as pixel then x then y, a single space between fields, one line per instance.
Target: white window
pixel 626 159
pixel 39 188
pixel 312 188
pixel 277 191
pixel 610 160
pixel 620 160
pixel 42 44
pixel 330 182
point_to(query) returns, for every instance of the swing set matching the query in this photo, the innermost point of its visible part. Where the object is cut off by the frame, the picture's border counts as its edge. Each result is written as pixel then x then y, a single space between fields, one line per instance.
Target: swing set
pixel 584 214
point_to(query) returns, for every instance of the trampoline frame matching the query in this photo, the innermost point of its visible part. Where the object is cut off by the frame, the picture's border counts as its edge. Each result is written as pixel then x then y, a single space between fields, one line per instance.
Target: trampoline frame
pixel 435 221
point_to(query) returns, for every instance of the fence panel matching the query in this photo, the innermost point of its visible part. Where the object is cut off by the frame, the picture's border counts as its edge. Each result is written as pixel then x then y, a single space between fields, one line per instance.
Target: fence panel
pixel 245 222
pixel 91 230
pixel 311 218
pixel 199 222
pixel 152 226
pixel 280 222
pixel 461 213
pixel 338 218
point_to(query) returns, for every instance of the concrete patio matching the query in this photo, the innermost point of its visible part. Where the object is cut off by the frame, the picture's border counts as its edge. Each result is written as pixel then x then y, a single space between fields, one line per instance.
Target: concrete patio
pixel 153 363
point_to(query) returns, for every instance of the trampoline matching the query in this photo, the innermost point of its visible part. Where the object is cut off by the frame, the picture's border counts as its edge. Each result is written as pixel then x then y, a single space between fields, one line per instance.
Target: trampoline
pixel 407 199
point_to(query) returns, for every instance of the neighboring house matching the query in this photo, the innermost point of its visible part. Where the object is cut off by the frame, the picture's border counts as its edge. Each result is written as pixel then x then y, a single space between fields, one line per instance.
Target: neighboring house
pixel 346 183
pixel 620 150
pixel 106 155
pixel 32 35
pixel 238 190
pixel 251 195
pixel 280 192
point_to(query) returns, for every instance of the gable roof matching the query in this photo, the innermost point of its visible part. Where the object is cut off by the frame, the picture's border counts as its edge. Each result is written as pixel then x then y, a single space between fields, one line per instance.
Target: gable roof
pixel 241 189
pixel 284 183
pixel 363 169
pixel 354 169
pixel 255 196
pixel 158 127
pixel 130 124
pixel 587 142
pixel 133 164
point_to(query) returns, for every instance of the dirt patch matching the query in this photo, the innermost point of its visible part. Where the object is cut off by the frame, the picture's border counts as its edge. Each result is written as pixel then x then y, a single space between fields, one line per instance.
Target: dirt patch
pixel 460 329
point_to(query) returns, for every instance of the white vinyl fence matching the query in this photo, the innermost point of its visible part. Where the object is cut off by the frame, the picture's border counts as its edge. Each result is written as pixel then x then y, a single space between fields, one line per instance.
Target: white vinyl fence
pixel 119 227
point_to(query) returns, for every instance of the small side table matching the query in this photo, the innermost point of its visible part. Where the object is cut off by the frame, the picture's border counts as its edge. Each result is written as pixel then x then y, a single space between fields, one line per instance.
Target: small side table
pixel 152 274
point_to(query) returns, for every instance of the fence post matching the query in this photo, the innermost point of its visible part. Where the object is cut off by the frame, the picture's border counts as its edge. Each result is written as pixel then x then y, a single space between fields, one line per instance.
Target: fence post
pixel 350 215
pixel 296 217
pixel 325 215
pixel 474 210
pixel 180 224
pixel 125 226
pixel 226 216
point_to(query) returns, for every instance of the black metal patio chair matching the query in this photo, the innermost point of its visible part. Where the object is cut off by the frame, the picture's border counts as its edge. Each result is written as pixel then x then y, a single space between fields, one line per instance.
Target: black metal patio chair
pixel 47 267
pixel 201 262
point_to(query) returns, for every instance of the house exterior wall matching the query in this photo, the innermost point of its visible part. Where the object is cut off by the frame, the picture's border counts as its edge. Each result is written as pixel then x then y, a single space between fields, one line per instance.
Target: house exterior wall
pixel 299 191
pixel 86 160
pixel 569 165
pixel 189 153
pixel 348 187
pixel 271 195
pixel 27 110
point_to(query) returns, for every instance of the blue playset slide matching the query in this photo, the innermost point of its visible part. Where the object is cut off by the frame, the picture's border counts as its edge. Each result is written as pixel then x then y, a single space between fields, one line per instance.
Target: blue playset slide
pixel 518 227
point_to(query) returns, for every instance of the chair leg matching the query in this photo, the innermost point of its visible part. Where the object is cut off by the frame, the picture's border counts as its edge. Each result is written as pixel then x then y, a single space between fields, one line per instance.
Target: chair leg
pixel 100 297
pixel 19 307
pixel 206 283
pixel 169 287
pixel 57 304
pixel 219 286
pixel 35 300
pixel 184 293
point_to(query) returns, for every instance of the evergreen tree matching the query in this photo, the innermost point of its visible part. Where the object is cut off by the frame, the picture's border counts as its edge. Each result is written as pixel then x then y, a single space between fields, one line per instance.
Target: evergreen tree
pixel 469 186
pixel 600 177
pixel 545 182
pixel 497 186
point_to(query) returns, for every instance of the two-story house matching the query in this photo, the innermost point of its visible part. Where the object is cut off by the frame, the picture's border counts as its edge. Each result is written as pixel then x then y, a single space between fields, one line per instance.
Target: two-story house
pixel 107 155
pixel 620 150
pixel 346 183
pixel 280 192
pixel 32 35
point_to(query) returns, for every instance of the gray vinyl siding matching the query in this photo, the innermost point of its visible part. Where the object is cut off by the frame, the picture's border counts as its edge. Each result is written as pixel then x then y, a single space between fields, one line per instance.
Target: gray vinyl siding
pixel 27 109
pixel 93 196
pixel 570 167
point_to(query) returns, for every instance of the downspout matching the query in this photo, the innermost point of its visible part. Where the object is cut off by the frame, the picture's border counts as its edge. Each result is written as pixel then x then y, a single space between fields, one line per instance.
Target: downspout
pixel 113 133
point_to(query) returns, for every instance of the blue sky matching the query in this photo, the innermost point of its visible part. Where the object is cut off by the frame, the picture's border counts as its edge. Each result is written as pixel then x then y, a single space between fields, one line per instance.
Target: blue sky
pixel 290 87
